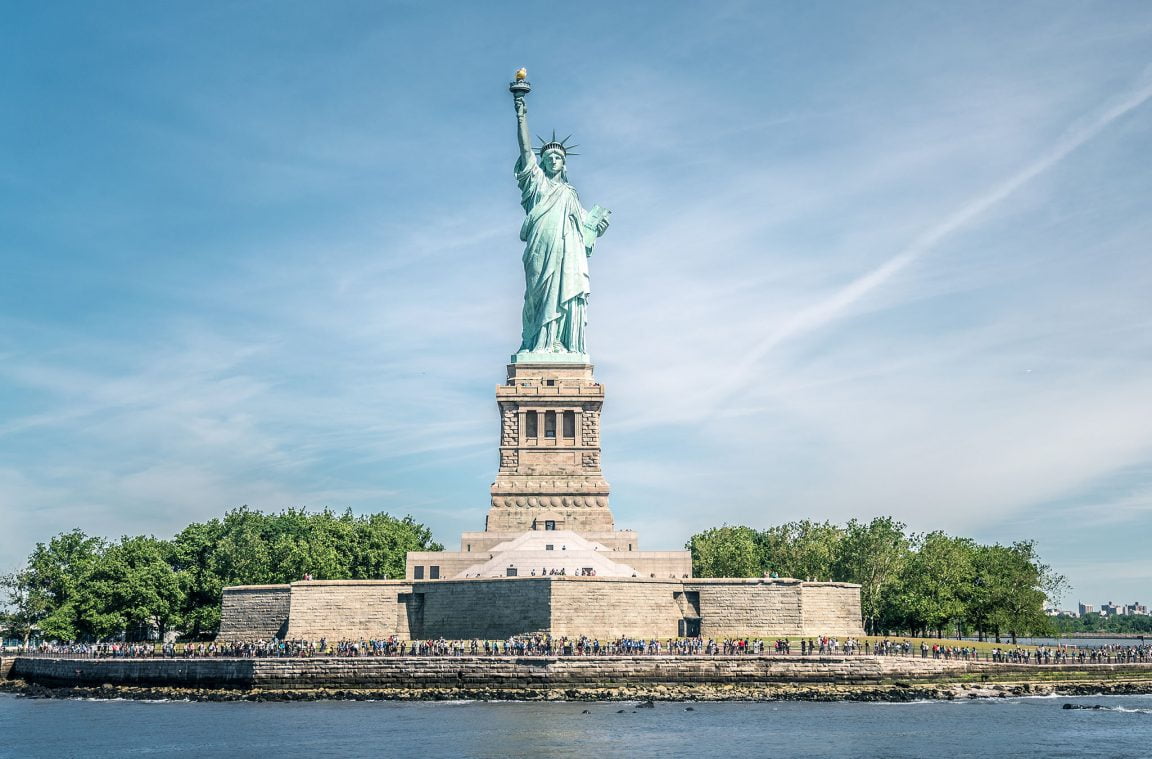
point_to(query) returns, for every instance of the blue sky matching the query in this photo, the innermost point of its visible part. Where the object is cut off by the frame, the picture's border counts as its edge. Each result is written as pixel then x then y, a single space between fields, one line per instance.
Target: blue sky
pixel 866 258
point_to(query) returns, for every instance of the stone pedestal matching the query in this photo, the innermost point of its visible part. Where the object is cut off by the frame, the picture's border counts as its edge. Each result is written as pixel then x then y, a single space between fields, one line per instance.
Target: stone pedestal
pixel 549 511
pixel 549 475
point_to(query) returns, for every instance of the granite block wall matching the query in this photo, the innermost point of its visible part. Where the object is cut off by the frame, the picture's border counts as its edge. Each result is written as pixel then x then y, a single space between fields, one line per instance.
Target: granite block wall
pixel 448 563
pixel 762 608
pixel 663 565
pixel 508 672
pixel 614 607
pixel 570 605
pixel 483 608
pixel 255 612
pixel 349 610
pixel 831 608
pixel 181 673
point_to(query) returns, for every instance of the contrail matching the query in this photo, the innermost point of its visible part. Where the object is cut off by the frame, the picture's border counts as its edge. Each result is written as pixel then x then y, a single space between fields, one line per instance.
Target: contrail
pixel 824 311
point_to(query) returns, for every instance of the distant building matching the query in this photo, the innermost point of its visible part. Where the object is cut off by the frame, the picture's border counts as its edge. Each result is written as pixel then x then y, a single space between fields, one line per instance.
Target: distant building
pixel 1137 609
pixel 1086 609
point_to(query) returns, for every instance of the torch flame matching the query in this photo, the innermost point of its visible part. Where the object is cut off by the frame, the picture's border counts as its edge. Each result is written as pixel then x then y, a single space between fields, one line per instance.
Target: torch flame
pixel 521 75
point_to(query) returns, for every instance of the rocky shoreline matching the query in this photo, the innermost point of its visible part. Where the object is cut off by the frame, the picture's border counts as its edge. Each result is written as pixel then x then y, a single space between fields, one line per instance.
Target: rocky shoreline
pixel 898 692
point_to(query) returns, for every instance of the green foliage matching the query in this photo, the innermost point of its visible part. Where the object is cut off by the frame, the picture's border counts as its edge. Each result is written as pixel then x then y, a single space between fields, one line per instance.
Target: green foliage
pixel 801 549
pixel 131 586
pixel 55 575
pixel 725 552
pixel 935 583
pixel 872 555
pixel 23 608
pixel 81 588
pixel 910 583
pixel 1094 623
pixel 1010 584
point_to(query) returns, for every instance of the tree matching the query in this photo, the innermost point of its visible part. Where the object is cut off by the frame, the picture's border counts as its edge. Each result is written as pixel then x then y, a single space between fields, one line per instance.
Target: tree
pixel 132 588
pixel 806 550
pixel 381 544
pixel 873 556
pixel 1009 590
pixel 77 587
pixel 25 605
pixel 248 547
pixel 934 582
pixel 906 583
pixel 201 586
pixel 725 552
pixel 54 577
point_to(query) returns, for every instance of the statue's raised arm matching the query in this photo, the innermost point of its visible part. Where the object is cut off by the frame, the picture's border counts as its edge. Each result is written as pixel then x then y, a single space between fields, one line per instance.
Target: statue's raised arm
pixel 522 133
pixel 558 236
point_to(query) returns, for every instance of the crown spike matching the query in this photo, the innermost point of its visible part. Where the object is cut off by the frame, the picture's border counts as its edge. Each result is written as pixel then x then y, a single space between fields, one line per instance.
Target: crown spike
pixel 555 144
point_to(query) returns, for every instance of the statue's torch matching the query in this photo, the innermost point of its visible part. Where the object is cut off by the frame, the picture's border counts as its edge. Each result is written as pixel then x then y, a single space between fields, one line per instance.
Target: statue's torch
pixel 520 86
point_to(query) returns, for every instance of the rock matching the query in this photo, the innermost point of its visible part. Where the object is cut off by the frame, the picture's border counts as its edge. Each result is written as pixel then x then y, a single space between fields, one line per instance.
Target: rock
pixel 646 705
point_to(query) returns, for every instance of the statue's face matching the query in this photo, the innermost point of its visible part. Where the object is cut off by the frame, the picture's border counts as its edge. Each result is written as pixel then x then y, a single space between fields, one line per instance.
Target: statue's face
pixel 552 162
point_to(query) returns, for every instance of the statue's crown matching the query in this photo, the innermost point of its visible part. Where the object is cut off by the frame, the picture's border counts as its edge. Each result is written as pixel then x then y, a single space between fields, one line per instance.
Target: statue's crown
pixel 555 144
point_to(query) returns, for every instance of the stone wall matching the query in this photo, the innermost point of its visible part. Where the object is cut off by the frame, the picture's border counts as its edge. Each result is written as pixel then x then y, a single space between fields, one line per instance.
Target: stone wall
pixel 484 542
pixel 483 608
pixel 255 612
pixel 180 673
pixel 563 605
pixel 660 564
pixel 831 608
pixel 349 609
pixel 507 672
pixel 448 563
pixel 452 564
pixel 5 666
pixel 762 608
pixel 614 607
pixel 541 671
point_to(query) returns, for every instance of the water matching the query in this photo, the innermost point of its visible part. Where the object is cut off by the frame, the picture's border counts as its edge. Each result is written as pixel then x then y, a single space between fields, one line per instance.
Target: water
pixel 1018 727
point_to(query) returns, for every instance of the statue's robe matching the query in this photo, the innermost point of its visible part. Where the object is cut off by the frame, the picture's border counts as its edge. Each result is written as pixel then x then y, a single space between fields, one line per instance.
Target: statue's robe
pixel 555 262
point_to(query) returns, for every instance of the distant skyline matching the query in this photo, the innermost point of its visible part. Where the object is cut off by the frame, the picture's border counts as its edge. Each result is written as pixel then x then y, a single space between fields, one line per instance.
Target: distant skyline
pixel 865 259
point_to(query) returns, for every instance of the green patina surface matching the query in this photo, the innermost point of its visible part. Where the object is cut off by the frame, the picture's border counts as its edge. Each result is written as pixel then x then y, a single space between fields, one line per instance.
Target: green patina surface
pixel 558 236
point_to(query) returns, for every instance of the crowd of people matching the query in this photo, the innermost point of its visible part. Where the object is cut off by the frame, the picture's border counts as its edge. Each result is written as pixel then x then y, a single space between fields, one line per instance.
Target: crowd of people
pixel 548 645
pixel 1110 654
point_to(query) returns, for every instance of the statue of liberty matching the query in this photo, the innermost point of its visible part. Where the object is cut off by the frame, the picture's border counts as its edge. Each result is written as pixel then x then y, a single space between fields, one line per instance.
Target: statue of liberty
pixel 559 236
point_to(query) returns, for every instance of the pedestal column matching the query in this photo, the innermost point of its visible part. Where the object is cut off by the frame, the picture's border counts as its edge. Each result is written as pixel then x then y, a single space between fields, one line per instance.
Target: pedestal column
pixel 546 478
